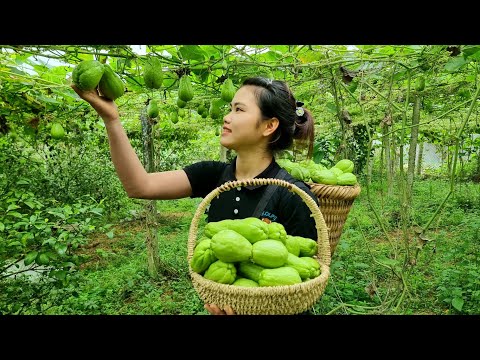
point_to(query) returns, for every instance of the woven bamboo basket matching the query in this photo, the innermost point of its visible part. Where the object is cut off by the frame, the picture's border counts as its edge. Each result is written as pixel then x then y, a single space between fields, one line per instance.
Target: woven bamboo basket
pixel 335 202
pixel 273 300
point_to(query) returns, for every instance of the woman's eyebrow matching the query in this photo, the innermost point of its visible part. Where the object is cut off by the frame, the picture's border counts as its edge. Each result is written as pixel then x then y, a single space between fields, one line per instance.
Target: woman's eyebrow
pixel 237 103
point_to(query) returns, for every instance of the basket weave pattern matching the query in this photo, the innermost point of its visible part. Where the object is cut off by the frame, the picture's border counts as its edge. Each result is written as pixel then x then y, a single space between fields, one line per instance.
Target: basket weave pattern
pixel 335 202
pixel 268 300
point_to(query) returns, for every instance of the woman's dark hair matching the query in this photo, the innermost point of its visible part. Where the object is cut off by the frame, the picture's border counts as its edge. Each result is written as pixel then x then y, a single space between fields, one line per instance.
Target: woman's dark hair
pixel 275 99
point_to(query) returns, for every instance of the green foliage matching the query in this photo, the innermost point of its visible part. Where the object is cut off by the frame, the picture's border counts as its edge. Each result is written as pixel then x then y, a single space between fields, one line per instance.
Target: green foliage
pixel 467 198
pixel 39 242
pixel 21 296
pixel 358 147
pixel 324 149
pixel 458 284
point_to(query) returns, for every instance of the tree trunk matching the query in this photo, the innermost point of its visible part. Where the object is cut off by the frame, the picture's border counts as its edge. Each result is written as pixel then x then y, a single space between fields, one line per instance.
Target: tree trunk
pixel 477 173
pixel 388 151
pixel 449 160
pixel 381 162
pixel 442 153
pixel 393 162
pixel 150 208
pixel 420 159
pixel 412 151
pixel 369 170
pixel 450 156
pixel 342 151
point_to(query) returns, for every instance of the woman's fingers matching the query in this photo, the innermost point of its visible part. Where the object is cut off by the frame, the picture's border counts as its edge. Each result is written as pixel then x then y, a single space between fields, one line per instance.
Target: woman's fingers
pixel 88 95
pixel 106 108
pixel 215 310
pixel 229 310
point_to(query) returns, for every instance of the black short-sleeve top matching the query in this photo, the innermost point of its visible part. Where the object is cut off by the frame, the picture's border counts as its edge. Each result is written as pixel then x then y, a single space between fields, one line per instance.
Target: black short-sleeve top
pixel 284 206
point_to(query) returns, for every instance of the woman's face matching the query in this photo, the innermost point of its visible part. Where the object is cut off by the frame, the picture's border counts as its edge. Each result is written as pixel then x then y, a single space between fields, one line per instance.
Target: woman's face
pixel 240 126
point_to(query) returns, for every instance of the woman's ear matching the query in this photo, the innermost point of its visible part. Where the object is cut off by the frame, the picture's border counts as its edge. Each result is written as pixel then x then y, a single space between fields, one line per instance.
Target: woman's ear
pixel 270 126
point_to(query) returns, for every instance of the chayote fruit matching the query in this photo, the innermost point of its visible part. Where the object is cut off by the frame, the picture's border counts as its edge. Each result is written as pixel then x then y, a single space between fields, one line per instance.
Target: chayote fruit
pixel 221 272
pixel 292 245
pixel 185 89
pixel 336 171
pixel 253 229
pixel 250 270
pixel 346 179
pixel 202 238
pixel 203 256
pixel 420 83
pixel 174 117
pixel 314 266
pixel 214 227
pixel 302 266
pixel 311 166
pixel 230 246
pixel 152 109
pixel 201 109
pixel 299 172
pixel 284 275
pixel 307 163
pixel 345 165
pixel 326 177
pixel 276 231
pixel 181 104
pixel 287 164
pixel 214 110
pixel 245 282
pixel 110 85
pixel 87 74
pixel 227 91
pixel 269 253
pixel 308 247
pixel 153 73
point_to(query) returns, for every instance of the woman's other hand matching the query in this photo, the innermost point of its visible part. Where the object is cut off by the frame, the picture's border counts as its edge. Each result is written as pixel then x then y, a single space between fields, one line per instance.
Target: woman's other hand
pixel 215 310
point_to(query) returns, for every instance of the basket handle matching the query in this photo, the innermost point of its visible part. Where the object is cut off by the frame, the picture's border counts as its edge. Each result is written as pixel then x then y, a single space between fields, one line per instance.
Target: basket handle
pixel 322 234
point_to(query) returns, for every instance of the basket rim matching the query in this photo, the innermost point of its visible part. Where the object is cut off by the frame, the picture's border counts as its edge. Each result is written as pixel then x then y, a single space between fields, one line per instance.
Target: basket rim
pixel 310 183
pixel 341 192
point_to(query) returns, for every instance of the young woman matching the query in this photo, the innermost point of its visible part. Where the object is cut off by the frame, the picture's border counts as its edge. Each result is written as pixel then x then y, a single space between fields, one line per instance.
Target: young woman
pixel 264 119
